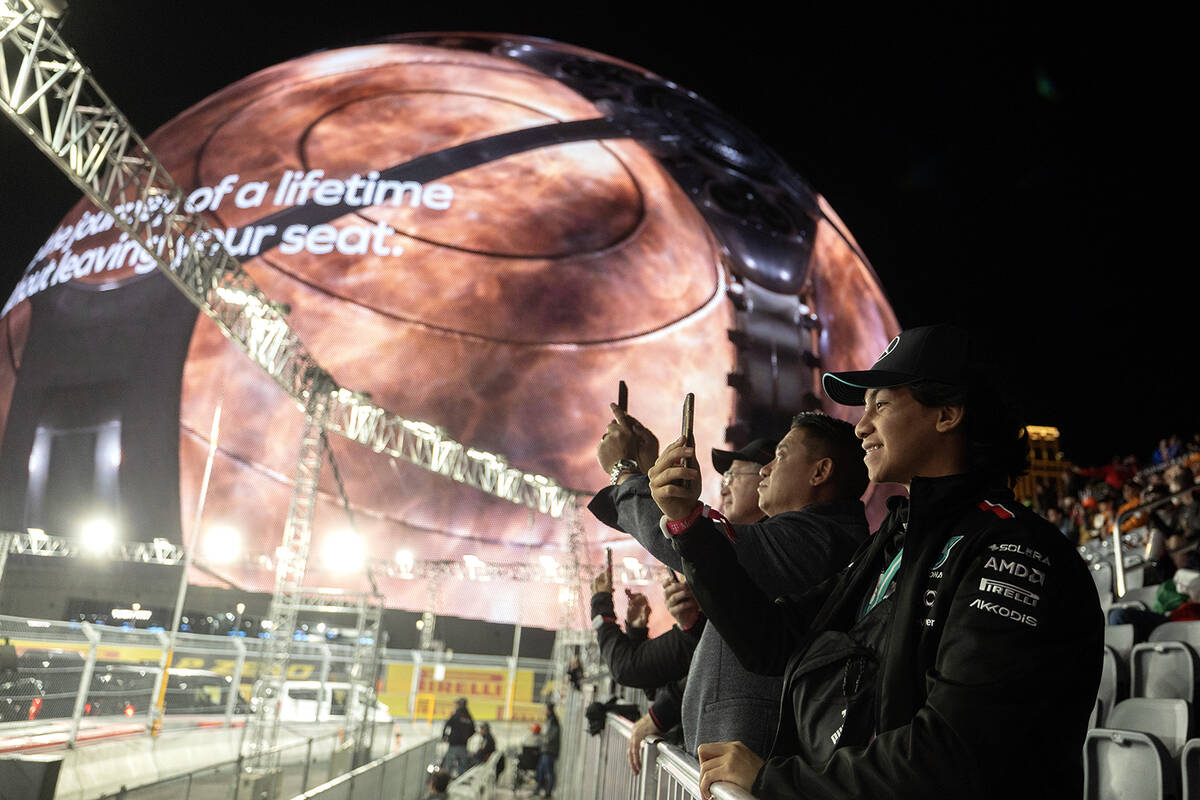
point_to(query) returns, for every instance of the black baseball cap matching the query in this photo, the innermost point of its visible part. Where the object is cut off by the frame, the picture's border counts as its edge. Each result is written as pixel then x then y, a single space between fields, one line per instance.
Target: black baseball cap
pixel 760 451
pixel 930 353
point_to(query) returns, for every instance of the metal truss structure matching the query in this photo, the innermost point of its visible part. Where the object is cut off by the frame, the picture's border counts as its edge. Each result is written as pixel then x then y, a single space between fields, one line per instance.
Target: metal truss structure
pixel 262 731
pixel 36 543
pixel 56 103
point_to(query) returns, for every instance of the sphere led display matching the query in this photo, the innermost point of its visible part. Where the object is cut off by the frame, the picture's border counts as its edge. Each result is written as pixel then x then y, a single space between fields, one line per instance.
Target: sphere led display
pixel 485 233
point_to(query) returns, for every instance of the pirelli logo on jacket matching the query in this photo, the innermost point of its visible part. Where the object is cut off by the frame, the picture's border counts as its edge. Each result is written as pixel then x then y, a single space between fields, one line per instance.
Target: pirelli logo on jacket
pixel 1011 584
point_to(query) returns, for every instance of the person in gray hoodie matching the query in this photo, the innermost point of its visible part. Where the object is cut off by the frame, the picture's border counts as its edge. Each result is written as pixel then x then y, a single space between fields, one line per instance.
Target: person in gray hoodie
pixel 807 522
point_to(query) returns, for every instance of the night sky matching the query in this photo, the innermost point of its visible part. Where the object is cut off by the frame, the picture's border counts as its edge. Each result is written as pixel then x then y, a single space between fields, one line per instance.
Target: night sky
pixel 1018 172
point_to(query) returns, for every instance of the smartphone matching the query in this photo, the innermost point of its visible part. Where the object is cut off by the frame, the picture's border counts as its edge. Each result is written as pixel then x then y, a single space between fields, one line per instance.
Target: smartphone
pixel 622 396
pixel 608 564
pixel 689 440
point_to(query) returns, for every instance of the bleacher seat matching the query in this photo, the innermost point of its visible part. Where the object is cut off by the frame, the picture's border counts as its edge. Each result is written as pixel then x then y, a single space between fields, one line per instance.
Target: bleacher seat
pixel 1146 594
pixel 1120 638
pixel 1134 756
pixel 1102 575
pixel 1178 632
pixel 1127 765
pixel 1138 604
pixel 1110 687
pixel 1135 578
pixel 1167 720
pixel 1189 763
pixel 1164 669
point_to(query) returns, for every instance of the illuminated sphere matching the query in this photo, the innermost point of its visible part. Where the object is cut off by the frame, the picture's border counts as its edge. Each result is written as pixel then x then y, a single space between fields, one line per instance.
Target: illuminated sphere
pixel 503 307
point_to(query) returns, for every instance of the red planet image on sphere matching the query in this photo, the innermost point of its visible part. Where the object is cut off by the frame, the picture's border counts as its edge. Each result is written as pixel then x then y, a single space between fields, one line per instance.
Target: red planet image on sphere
pixel 446 240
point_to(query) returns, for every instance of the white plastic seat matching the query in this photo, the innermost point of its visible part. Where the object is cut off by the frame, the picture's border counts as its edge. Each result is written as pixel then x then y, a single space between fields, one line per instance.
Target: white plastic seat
pixel 1189 766
pixel 1127 765
pixel 1178 632
pixel 1168 720
pixel 1164 669
pixel 1120 638
pixel 1109 693
pixel 1145 593
pixel 1102 574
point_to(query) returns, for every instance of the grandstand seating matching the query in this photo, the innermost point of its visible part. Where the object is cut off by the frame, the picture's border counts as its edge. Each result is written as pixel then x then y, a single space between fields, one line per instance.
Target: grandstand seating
pixel 1126 765
pixel 1178 632
pixel 1145 594
pixel 1190 768
pixel 1135 756
pixel 1103 576
pixel 1120 638
pixel 1110 686
pixel 1164 669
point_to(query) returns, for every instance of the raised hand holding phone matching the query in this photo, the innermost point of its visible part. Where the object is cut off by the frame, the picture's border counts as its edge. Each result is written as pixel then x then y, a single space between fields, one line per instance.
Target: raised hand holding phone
pixel 686 435
pixel 675 478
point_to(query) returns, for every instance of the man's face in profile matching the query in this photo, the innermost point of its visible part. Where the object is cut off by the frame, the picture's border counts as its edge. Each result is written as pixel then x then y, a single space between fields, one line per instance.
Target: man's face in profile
pixel 739 492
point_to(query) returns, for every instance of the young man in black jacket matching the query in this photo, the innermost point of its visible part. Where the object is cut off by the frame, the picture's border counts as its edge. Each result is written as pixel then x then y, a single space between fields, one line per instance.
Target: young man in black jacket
pixel 958 656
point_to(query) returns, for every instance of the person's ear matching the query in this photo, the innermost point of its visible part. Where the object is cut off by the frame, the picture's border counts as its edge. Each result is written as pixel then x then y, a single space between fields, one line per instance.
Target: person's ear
pixel 822 471
pixel 949 418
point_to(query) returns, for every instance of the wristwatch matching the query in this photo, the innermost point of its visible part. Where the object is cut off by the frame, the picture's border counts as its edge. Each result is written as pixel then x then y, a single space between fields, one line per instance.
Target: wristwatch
pixel 622 466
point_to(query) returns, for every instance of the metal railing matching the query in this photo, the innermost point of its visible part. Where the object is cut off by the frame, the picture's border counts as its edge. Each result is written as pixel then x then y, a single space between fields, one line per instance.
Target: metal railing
pixel 597 767
pixel 398 776
pixel 73 673
pixel 310 763
pixel 477 783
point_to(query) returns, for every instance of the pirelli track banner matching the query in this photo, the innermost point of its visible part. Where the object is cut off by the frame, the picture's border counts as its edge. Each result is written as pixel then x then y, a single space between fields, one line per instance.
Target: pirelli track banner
pixel 485 688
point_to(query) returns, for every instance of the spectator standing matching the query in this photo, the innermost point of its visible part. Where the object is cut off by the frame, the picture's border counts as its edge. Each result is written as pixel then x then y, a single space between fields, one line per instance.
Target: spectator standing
pixel 457 731
pixel 550 745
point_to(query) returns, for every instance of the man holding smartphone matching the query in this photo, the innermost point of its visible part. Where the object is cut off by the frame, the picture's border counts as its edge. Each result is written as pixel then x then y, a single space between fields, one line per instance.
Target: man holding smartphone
pixel 806 523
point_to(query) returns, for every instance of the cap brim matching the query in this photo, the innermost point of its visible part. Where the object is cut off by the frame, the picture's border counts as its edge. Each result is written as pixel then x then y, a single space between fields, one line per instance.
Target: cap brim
pixel 850 388
pixel 722 460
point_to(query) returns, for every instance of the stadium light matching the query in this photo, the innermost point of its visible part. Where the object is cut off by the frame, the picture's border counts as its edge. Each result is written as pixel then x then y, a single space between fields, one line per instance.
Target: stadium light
pixel 476 569
pixel 98 534
pixel 222 544
pixel 344 551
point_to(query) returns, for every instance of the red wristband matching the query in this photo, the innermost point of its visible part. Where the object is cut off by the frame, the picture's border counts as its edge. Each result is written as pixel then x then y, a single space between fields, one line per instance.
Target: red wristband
pixel 678 526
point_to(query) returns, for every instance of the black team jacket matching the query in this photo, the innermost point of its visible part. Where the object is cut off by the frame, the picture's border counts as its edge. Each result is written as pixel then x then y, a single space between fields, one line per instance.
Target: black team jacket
pixel 990 665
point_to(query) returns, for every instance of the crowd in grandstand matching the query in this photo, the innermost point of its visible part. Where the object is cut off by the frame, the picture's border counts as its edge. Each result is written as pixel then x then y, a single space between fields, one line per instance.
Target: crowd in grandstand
pixel 1087 502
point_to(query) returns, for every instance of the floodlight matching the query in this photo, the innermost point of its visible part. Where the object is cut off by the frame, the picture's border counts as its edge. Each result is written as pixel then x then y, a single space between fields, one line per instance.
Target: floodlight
pixel 222 544
pixel 98 533
pixel 344 551
pixel 476 569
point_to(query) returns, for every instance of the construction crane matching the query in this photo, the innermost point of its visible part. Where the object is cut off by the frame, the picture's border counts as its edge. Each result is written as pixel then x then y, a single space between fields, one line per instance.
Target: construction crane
pixel 47 93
